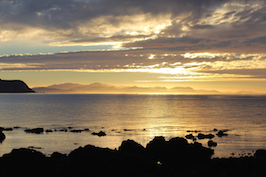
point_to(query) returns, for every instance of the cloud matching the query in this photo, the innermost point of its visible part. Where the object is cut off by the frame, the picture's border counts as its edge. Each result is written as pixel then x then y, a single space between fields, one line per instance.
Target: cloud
pixel 75 19
pixel 185 39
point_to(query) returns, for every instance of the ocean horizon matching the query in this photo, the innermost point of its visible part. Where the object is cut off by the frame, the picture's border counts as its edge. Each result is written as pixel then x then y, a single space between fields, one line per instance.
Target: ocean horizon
pixel 139 117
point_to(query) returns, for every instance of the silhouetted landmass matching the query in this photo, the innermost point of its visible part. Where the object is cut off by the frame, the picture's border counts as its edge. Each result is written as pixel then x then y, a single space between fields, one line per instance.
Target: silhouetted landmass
pixel 175 157
pixel 105 88
pixel 14 86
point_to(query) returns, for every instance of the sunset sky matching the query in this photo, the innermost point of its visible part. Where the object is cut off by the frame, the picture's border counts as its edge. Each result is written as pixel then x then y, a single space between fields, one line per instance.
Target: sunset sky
pixel 201 44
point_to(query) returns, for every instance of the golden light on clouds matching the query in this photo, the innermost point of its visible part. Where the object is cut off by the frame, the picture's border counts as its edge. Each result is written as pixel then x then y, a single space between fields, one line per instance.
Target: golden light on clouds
pixel 168 41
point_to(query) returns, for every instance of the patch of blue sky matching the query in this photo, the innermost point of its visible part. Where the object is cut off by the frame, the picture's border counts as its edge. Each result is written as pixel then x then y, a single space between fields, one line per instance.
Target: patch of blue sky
pixel 20 49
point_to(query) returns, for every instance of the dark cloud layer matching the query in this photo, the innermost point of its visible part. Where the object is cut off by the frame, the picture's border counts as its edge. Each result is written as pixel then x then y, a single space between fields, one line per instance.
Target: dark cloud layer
pixel 153 34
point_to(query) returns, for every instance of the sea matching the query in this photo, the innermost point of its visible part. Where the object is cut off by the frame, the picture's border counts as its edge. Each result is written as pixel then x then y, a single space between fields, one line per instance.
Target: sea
pixel 136 117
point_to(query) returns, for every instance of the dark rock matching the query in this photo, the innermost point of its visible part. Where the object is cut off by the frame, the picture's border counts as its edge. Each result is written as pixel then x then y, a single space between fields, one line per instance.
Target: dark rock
pixel 131 146
pixel 203 136
pixel 48 130
pixel 16 127
pixel 63 130
pixel 221 133
pixel 190 136
pixel 2 136
pixel 177 152
pixel 260 153
pixel 212 143
pixel 34 130
pixel 57 155
pixel 8 129
pixel 33 147
pixel 178 158
pixel 86 129
pixel 76 131
pixel 157 148
pixel 101 133
pixel 215 130
pixel 24 155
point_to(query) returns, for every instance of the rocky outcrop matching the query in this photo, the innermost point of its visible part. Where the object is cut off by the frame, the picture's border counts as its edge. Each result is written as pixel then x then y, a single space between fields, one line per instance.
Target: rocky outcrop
pixel 14 86
pixel 160 158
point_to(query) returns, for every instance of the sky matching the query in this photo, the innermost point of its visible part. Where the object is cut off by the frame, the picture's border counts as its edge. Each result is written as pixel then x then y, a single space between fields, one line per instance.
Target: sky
pixel 202 45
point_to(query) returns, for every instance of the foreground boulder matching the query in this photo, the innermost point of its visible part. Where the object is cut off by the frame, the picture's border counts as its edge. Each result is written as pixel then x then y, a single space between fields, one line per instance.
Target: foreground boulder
pixel 177 151
pixel 178 158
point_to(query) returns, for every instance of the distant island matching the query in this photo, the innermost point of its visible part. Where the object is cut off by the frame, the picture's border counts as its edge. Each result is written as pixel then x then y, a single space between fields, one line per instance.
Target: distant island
pixel 14 86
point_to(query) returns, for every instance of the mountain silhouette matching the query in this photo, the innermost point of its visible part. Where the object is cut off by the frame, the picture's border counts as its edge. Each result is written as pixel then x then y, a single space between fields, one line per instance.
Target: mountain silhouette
pixel 14 86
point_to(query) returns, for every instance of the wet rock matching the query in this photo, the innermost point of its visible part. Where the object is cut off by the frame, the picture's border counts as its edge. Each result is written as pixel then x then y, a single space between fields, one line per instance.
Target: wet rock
pixel 101 133
pixel 195 131
pixel 190 136
pixel 260 153
pixel 34 130
pixel 221 133
pixel 203 136
pixel 62 130
pixel 76 131
pixel 2 136
pixel 33 147
pixel 7 129
pixel 212 143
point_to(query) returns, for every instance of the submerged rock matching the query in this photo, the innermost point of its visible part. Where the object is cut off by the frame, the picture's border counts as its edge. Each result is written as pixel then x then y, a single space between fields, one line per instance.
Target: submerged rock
pixel 190 136
pixel 212 143
pixel 34 130
pixel 203 136
pixel 101 133
pixel 221 133
pixel 8 129
pixel 48 130
pixel 76 131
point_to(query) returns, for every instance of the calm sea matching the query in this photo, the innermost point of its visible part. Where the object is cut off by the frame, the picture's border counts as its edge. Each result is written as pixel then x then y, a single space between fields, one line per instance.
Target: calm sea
pixel 137 117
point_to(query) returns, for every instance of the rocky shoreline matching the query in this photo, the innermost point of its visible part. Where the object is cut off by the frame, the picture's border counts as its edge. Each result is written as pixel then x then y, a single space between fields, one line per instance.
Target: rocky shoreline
pixel 159 158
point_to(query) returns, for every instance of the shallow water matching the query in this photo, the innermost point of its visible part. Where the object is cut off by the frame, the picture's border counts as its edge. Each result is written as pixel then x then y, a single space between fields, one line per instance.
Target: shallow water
pixel 137 117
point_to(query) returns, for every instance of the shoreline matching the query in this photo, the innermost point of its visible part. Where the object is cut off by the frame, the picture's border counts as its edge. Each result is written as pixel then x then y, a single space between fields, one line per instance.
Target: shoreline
pixel 41 139
pixel 175 157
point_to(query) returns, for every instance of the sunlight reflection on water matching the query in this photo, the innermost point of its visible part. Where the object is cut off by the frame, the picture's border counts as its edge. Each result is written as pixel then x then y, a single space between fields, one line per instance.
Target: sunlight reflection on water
pixel 137 117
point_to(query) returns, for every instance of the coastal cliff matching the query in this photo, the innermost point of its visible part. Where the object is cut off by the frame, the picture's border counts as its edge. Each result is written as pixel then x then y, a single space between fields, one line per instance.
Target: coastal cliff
pixel 14 86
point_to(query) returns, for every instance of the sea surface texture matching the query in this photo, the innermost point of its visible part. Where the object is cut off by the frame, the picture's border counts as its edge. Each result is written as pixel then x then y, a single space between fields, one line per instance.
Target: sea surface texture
pixel 137 117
